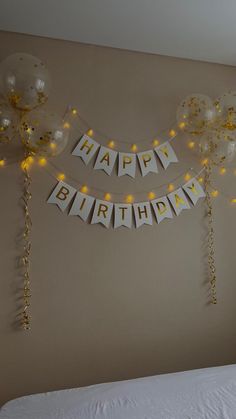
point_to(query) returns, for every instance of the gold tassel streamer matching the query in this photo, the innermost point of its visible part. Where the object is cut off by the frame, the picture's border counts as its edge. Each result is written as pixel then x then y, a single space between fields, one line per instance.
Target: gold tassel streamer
pixel 210 236
pixel 25 320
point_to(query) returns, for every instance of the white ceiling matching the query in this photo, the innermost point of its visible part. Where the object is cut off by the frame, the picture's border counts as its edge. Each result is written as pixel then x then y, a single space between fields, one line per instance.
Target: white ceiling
pixel 196 29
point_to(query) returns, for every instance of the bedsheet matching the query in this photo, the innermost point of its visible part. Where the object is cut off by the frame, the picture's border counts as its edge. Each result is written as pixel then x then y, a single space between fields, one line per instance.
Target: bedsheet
pixel 199 394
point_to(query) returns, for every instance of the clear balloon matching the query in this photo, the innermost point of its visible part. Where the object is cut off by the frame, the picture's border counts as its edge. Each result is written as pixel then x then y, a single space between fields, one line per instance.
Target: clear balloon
pixel 226 110
pixel 43 133
pixel 219 146
pixel 8 123
pixel 195 114
pixel 24 81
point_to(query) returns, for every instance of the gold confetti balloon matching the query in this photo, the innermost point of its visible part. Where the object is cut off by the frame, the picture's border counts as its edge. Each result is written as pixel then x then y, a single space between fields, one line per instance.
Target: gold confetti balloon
pixel 219 146
pixel 43 133
pixel 226 110
pixel 195 114
pixel 24 81
pixel 8 123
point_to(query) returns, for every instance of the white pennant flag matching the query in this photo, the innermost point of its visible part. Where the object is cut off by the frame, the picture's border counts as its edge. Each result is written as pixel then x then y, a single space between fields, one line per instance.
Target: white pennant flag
pixel 127 164
pixel 123 215
pixel 62 195
pixel 147 162
pixel 161 208
pixel 142 213
pixel 105 160
pixel 102 213
pixel 166 154
pixel 86 148
pixel 178 201
pixel 194 190
pixel 82 205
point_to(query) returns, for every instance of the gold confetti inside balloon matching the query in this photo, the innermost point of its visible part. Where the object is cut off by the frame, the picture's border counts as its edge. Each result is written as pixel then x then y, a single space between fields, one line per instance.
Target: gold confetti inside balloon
pixel 226 110
pixel 219 146
pixel 8 123
pixel 43 133
pixel 195 114
pixel 24 81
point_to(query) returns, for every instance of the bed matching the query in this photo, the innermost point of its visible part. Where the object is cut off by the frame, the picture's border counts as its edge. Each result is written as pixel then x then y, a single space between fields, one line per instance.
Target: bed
pixel 199 394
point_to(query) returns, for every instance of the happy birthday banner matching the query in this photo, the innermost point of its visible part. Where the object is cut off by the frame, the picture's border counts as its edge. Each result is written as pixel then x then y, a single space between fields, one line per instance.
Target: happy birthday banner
pixel 96 211
pixel 106 158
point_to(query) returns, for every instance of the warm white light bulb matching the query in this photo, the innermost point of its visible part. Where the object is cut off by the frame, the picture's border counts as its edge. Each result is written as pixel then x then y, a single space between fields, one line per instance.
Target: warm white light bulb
pixel 84 189
pixel 61 176
pixel 129 199
pixel 107 196
pixel 171 187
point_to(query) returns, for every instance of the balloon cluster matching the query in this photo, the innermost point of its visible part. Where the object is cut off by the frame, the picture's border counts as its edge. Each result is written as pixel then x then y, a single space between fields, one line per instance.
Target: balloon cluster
pixel 213 123
pixel 25 85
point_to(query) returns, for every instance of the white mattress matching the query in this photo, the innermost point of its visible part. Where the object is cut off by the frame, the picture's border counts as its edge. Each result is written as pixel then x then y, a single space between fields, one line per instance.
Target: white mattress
pixel 207 393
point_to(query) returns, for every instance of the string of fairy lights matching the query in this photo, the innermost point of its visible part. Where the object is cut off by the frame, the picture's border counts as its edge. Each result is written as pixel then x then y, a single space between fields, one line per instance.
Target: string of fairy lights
pixel 52 169
pixel 72 115
pixel 61 175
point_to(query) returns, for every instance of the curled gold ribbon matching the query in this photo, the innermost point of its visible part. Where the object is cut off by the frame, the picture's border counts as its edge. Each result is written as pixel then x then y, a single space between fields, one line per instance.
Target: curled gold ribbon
pixel 210 236
pixel 25 316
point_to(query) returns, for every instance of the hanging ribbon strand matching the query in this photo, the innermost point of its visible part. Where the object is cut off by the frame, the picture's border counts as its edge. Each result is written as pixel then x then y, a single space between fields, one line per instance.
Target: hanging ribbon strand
pixel 210 236
pixel 25 316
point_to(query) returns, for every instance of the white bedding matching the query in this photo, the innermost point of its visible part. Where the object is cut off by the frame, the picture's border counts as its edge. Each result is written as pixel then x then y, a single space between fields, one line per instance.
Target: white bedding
pixel 200 394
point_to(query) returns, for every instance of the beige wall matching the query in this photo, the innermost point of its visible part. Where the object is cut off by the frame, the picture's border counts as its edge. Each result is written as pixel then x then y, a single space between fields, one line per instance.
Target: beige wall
pixel 110 305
